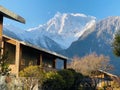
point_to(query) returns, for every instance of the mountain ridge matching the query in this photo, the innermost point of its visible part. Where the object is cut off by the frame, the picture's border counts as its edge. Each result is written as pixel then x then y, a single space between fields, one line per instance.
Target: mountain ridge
pixel 99 40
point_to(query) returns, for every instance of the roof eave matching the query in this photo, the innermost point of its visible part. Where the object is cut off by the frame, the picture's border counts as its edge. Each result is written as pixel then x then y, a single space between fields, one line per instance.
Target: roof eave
pixel 41 49
pixel 8 14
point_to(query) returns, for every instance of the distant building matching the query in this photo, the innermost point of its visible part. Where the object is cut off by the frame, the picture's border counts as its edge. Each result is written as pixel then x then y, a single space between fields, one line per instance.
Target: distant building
pixel 105 78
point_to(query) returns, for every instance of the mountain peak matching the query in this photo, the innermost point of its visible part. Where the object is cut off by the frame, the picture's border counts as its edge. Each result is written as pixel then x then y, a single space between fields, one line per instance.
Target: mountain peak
pixel 58 22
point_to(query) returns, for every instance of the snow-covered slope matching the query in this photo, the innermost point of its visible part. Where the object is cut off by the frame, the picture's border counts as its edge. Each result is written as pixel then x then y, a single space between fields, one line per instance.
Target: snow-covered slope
pixel 14 32
pixel 58 33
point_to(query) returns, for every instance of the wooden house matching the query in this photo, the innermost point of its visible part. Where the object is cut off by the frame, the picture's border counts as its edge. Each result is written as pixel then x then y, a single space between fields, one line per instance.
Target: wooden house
pixel 21 55
pixel 105 78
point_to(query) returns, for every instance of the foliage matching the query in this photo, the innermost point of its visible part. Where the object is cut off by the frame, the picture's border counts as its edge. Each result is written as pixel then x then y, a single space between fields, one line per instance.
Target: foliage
pixel 67 79
pixel 4 66
pixel 53 81
pixel 81 82
pixel 78 77
pixel 90 63
pixel 32 73
pixel 116 44
pixel 68 76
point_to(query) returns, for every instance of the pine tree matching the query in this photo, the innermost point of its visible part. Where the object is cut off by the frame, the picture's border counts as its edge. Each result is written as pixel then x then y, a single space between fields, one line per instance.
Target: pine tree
pixel 116 44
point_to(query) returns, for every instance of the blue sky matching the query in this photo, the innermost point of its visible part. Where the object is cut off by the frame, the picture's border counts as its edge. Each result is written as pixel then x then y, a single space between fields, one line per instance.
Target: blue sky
pixel 38 12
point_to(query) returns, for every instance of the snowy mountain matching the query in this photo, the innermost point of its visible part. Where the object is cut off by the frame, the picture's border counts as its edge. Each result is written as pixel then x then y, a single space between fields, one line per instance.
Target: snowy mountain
pixel 58 33
pixel 72 35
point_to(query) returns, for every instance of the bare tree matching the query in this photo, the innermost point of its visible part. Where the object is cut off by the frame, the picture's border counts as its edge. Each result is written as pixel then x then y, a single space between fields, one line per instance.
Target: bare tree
pixel 90 63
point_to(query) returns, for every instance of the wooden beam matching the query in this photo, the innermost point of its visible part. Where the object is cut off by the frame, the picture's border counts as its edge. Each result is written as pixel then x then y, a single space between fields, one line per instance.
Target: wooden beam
pixel 65 64
pixel 17 58
pixel 7 13
pixel 10 41
pixel 1 28
pixel 41 60
pixel 3 48
pixel 54 63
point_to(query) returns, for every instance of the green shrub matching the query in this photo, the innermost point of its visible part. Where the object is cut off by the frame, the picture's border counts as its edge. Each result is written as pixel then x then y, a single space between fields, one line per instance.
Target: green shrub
pixel 68 76
pixel 33 71
pixel 53 81
pixel 4 66
pixel 78 77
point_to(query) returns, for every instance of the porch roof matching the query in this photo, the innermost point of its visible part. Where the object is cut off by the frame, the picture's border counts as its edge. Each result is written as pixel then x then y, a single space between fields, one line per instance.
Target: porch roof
pixel 39 48
pixel 9 14
pixel 107 73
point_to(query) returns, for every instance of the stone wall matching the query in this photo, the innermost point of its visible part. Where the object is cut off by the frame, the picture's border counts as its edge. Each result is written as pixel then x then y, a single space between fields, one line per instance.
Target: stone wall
pixel 21 83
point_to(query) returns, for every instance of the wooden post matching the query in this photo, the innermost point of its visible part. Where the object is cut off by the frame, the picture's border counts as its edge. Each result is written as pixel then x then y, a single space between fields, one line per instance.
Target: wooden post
pixel 17 58
pixel 1 28
pixel 41 60
pixel 65 64
pixel 3 47
pixel 54 63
